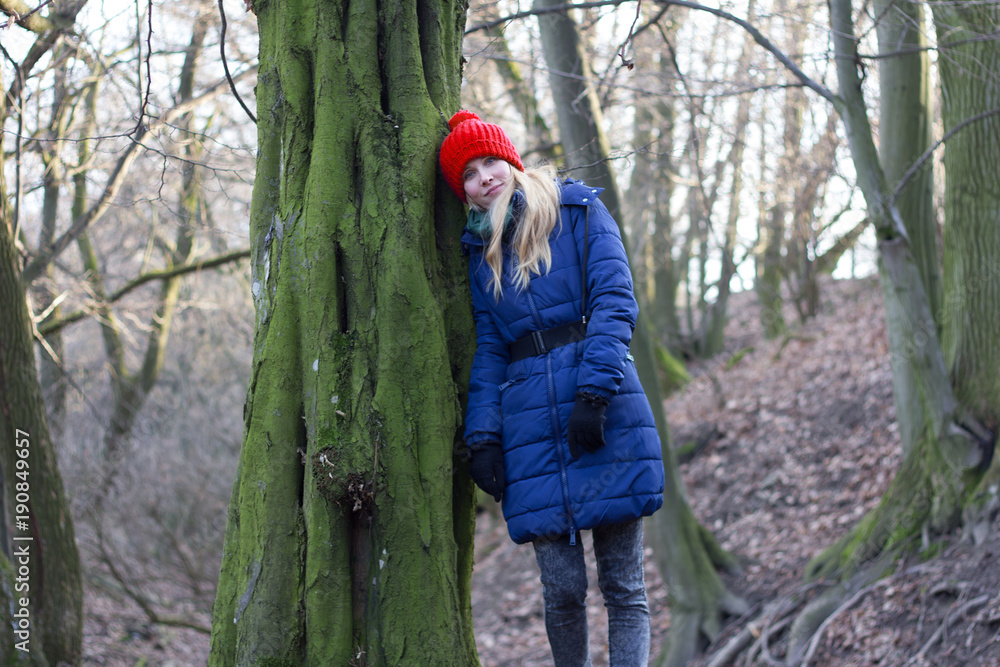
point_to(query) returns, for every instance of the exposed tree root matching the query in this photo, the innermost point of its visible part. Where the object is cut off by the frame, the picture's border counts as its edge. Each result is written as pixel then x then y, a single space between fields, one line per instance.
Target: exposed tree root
pixel 762 645
pixel 984 504
pixel 808 623
pixel 946 624
pixel 817 634
pixel 806 631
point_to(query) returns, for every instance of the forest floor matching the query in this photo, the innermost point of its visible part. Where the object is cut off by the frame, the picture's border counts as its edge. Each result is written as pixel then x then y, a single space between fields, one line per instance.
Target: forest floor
pixel 798 442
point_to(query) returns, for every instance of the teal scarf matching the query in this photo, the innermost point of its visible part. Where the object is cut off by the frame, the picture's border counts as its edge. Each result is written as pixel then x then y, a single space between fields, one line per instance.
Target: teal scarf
pixel 479 221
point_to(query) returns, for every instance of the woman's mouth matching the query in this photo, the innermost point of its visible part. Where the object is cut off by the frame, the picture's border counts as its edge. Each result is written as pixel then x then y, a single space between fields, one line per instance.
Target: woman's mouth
pixel 494 190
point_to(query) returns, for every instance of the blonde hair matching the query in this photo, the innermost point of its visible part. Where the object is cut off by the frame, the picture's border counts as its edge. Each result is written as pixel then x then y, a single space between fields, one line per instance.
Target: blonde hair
pixel 530 238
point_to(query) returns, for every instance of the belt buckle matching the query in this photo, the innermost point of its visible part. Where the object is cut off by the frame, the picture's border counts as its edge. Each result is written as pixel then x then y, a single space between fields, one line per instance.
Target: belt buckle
pixel 539 341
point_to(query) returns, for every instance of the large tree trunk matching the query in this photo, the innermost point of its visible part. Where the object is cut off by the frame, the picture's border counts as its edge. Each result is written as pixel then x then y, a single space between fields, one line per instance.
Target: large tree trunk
pixel 969 332
pixel 349 538
pixel 43 539
pixel 686 553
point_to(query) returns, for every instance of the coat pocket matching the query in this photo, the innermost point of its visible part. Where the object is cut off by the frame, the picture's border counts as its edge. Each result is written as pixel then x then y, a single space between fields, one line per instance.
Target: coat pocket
pixel 505 391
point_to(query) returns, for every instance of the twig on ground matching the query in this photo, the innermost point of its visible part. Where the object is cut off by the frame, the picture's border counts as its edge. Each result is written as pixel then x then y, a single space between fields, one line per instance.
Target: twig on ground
pixel 853 600
pixel 949 619
pixel 783 609
pixel 765 639
pixel 982 647
pixel 732 648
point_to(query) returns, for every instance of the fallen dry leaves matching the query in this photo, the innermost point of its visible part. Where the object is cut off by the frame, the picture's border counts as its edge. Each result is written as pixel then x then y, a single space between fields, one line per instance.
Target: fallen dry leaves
pixel 800 443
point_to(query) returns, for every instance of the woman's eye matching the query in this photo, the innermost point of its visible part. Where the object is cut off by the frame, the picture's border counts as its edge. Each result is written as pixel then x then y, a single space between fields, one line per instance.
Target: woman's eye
pixel 490 160
pixel 467 175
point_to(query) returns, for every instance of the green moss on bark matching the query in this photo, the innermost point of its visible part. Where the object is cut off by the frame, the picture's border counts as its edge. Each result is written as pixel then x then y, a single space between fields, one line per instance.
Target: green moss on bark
pixel 347 476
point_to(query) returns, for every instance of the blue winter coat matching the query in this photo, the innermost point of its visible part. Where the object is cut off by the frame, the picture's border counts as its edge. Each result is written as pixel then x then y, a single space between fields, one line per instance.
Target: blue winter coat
pixel 526 404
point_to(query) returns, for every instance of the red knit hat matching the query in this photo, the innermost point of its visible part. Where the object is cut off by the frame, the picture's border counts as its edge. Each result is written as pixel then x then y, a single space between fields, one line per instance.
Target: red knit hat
pixel 469 139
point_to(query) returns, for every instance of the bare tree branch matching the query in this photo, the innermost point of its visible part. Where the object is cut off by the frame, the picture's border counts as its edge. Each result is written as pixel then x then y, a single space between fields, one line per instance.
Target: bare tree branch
pixel 45 255
pixel 763 41
pixel 915 167
pixel 630 62
pixel 58 25
pixel 25 16
pixel 646 91
pixel 141 600
pixel 758 37
pixel 164 274
pixel 545 10
pixel 225 64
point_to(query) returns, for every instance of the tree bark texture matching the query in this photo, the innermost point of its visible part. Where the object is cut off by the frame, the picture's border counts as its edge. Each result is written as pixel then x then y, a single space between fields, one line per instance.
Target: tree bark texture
pixel 350 529
pixel 970 335
pixel 905 131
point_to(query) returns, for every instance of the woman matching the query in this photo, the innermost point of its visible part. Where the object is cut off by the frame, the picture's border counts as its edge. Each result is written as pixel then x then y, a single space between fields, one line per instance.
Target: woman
pixel 557 426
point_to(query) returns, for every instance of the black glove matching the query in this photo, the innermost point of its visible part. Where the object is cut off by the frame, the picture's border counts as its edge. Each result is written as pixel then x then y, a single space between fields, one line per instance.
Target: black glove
pixel 586 423
pixel 486 467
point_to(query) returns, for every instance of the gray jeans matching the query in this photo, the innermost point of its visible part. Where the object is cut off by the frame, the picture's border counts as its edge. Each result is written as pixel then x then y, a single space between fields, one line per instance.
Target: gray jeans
pixel 618 549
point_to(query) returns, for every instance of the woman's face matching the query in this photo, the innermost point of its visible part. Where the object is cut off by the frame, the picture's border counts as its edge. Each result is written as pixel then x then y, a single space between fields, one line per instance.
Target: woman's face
pixel 484 179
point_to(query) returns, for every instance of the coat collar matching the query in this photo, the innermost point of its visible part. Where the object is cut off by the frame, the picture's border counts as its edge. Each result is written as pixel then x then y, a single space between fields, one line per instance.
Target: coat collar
pixel 571 193
pixel 578 193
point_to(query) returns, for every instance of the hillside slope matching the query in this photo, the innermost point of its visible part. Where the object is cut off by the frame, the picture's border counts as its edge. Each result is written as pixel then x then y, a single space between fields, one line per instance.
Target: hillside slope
pixel 796 440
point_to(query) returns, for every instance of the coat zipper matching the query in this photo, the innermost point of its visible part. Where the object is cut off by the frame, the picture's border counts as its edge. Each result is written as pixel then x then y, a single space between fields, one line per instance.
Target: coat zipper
pixel 554 417
pixel 510 382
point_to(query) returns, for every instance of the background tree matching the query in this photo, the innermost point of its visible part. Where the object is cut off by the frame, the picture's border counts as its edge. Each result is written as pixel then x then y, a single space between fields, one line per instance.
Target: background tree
pixel 653 222
pixel 56 595
pixel 944 470
pixel 905 133
pixel 55 151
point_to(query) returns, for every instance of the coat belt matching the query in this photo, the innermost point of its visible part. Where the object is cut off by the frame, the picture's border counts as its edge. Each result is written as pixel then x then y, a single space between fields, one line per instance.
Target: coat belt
pixel 540 342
